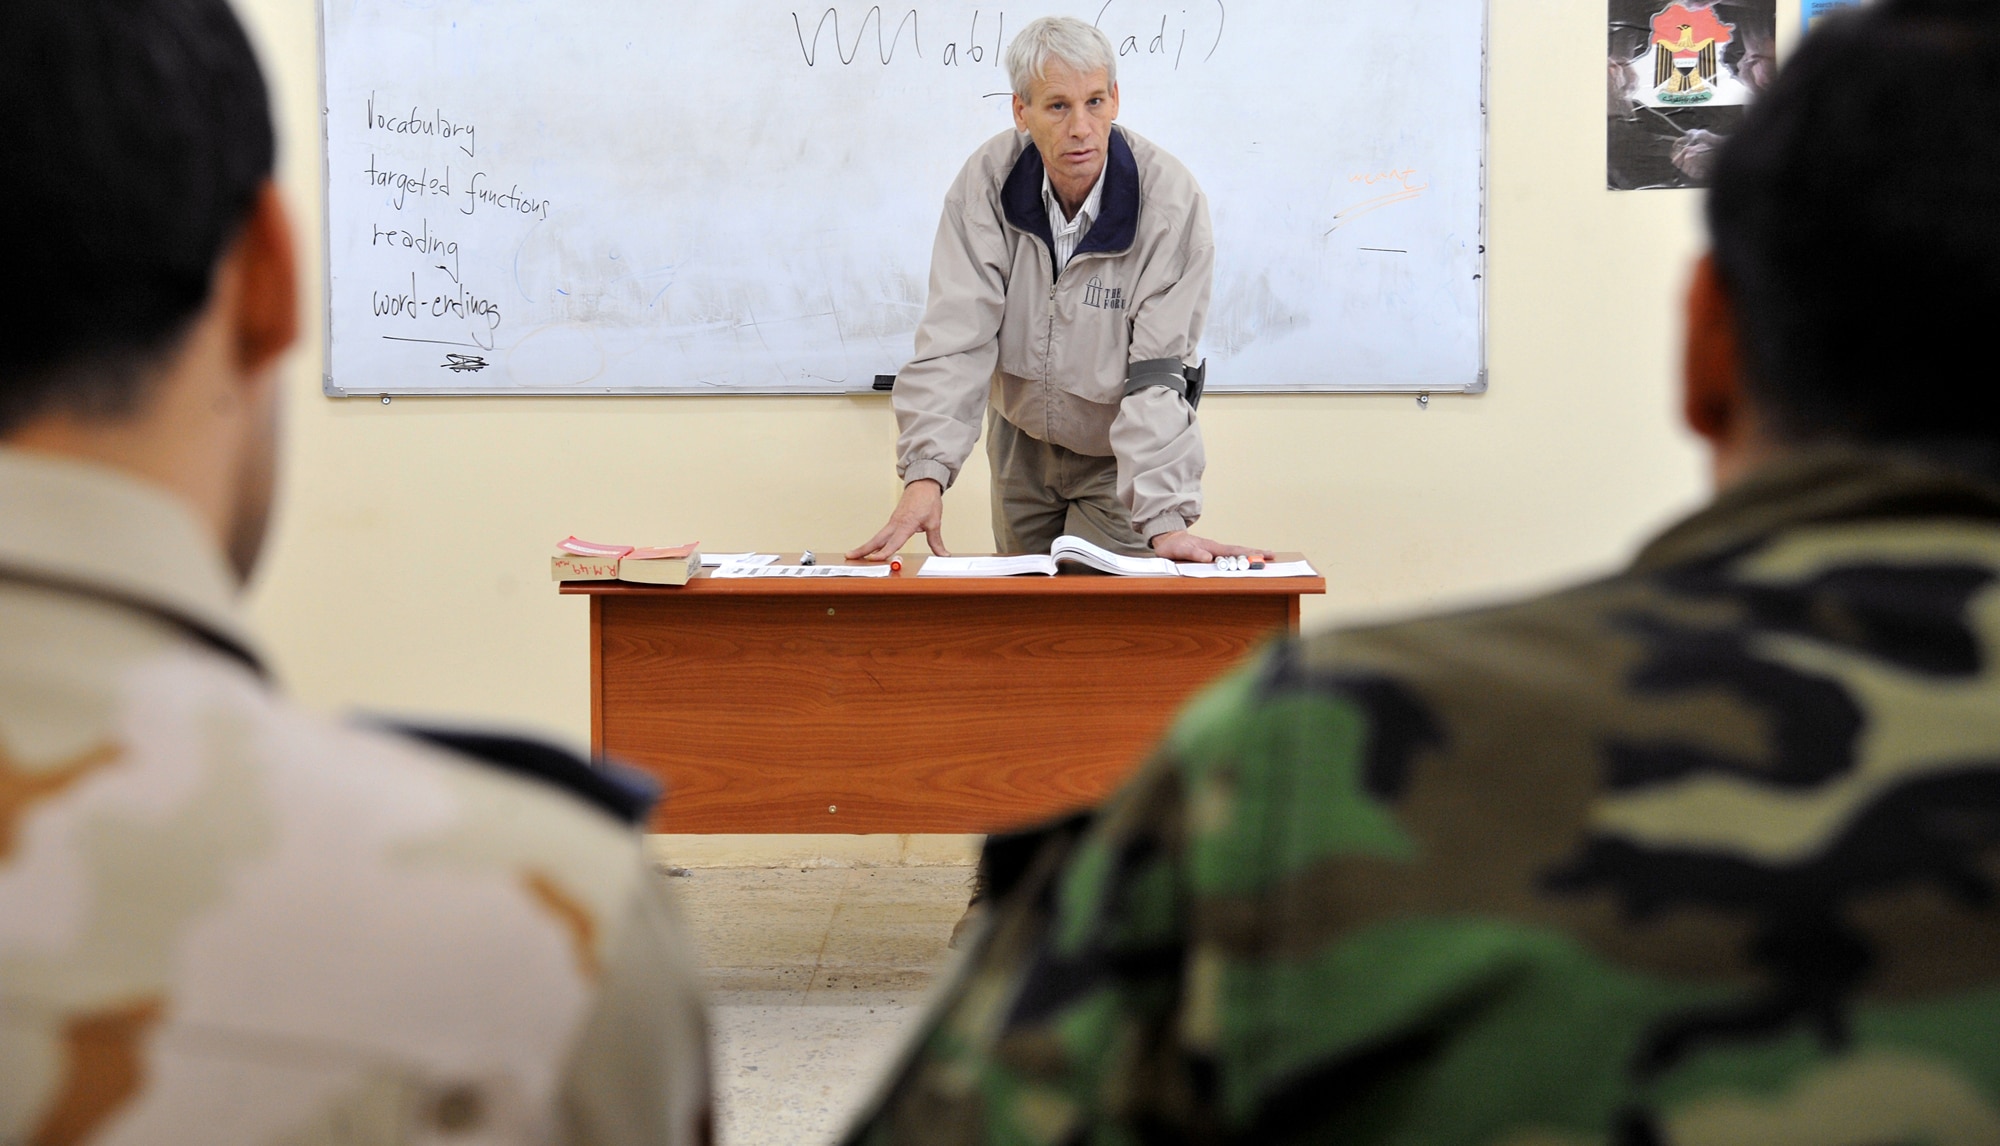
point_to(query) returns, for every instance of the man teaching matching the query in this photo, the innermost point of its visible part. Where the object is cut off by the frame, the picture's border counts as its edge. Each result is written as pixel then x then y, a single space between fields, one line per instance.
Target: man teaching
pixel 1069 283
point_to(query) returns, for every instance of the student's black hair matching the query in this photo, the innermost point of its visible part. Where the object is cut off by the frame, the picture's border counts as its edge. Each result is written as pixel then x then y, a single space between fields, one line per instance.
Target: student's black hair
pixel 1855 218
pixel 134 135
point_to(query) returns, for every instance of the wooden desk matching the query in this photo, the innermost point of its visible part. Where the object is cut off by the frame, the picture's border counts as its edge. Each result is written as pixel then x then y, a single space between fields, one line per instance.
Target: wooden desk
pixel 906 704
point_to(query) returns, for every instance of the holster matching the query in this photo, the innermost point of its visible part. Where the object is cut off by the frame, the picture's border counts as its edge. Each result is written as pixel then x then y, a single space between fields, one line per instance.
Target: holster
pixel 1171 373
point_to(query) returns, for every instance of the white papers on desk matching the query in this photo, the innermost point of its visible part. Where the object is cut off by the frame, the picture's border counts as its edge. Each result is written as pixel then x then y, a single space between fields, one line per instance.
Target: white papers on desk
pixel 717 560
pixel 768 570
pixel 1270 569
pixel 988 566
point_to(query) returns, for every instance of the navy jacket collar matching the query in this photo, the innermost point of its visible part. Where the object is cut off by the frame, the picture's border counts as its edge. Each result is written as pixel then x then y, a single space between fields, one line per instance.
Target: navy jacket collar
pixel 1117 222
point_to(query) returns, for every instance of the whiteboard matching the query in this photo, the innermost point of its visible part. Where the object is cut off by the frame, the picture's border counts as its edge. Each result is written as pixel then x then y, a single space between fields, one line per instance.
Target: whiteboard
pixel 740 196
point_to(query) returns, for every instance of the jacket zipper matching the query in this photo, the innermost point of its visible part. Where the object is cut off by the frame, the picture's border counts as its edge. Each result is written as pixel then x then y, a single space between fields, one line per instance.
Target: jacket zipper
pixel 1055 281
pixel 1049 344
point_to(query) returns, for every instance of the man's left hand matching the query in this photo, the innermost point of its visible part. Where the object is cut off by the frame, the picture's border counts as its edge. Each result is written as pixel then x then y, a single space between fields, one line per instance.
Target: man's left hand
pixel 1180 545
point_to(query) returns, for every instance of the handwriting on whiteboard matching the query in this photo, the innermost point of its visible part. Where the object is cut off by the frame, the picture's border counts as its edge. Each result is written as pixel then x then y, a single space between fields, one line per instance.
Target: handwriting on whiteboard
pixel 1401 190
pixel 1175 33
pixel 431 166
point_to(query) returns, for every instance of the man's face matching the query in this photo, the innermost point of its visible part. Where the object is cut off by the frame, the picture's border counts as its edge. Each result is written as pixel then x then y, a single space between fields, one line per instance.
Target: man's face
pixel 1068 114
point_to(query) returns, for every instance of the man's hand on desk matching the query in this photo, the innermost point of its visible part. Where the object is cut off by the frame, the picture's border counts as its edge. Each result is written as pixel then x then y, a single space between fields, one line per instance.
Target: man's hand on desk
pixel 1180 545
pixel 922 508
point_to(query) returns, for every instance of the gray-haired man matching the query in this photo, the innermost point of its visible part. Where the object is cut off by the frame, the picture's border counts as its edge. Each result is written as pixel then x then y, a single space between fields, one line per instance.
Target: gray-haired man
pixel 1068 289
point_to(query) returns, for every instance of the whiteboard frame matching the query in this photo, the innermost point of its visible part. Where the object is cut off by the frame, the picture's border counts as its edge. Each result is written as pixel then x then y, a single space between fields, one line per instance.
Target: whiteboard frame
pixel 1477 385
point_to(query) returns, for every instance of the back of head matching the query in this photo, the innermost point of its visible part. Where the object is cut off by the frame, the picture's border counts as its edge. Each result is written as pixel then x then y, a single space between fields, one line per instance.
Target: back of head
pixel 1856 227
pixel 136 136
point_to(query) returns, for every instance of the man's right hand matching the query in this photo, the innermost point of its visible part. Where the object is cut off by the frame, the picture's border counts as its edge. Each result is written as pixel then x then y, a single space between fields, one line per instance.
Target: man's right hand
pixel 922 508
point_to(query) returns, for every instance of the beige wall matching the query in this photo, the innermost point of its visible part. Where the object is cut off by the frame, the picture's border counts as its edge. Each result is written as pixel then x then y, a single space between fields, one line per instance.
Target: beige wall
pixel 408 567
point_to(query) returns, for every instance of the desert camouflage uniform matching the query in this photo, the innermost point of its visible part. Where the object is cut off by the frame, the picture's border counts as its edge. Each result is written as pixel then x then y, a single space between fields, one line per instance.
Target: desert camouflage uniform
pixel 1702 853
pixel 223 920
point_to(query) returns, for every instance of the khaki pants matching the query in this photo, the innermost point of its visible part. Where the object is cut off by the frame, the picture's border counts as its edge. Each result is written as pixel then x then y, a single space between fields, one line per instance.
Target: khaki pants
pixel 1042 491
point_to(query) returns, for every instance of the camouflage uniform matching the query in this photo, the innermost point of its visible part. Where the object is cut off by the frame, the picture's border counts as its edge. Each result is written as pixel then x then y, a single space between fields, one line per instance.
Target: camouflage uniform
pixel 1701 853
pixel 223 920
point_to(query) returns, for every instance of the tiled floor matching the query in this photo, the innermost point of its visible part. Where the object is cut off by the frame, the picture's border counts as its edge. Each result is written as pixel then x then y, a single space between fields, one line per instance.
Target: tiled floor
pixel 815 979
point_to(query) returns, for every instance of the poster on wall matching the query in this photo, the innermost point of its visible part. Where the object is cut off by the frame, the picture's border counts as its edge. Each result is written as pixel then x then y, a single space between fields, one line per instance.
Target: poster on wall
pixel 1681 73
pixel 1810 10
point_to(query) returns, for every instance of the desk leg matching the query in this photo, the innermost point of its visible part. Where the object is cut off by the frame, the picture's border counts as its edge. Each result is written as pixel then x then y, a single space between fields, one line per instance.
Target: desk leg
pixel 1291 618
pixel 597 671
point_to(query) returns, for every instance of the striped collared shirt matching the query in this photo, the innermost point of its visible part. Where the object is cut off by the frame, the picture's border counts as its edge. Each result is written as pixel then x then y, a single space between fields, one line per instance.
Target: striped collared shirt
pixel 1069 232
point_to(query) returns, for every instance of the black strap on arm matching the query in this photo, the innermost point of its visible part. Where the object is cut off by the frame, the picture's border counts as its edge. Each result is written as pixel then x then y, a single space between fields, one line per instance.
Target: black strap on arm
pixel 1169 373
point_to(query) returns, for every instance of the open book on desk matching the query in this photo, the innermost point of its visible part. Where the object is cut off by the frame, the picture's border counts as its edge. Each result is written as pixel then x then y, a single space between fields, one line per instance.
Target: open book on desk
pixel 1066 548
pixel 1076 549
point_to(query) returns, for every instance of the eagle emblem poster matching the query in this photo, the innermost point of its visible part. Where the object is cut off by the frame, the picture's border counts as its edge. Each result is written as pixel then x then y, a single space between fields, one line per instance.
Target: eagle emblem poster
pixel 1681 73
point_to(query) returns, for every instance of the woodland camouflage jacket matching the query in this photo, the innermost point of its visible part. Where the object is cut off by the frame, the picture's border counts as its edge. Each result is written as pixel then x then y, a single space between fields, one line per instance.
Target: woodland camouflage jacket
pixel 1701 853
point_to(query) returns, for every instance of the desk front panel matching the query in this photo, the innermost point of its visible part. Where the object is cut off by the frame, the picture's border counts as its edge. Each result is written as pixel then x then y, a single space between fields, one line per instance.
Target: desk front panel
pixel 858 714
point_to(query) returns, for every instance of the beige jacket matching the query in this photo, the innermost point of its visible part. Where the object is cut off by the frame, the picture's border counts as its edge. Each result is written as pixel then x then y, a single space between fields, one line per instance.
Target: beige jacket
pixel 224 920
pixel 1049 352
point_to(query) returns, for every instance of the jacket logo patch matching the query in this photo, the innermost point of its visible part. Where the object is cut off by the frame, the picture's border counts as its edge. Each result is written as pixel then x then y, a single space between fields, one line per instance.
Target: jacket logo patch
pixel 1096 294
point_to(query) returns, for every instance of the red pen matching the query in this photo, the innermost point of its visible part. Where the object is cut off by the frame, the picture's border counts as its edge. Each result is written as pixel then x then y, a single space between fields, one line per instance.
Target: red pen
pixel 895 565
